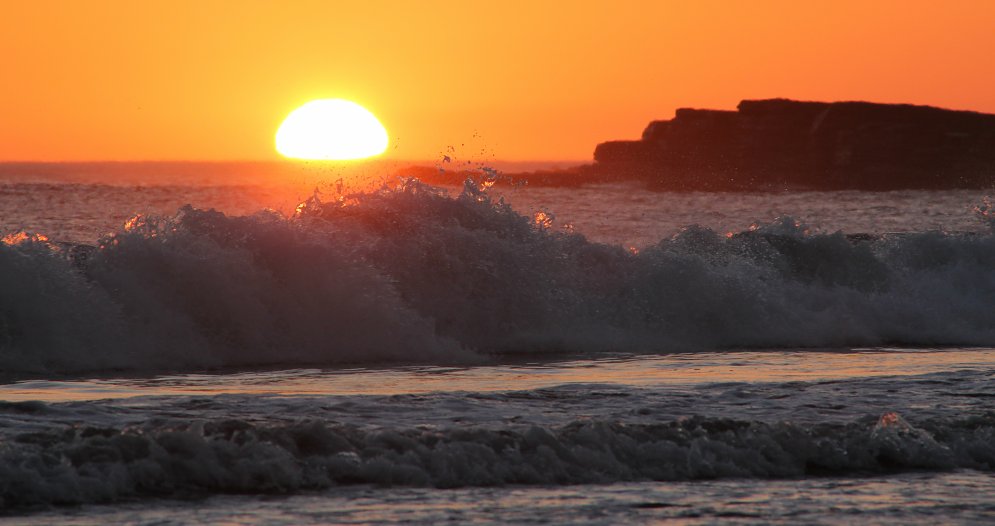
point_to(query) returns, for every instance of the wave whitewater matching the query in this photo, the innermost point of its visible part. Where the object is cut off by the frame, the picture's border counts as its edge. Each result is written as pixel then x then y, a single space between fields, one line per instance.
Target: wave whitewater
pixel 92 464
pixel 413 275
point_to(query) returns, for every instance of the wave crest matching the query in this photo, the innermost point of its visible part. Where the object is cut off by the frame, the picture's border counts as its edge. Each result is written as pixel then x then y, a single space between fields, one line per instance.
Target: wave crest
pixel 411 274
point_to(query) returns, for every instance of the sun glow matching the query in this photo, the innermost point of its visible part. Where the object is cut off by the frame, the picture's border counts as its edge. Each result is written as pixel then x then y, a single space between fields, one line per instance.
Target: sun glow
pixel 331 129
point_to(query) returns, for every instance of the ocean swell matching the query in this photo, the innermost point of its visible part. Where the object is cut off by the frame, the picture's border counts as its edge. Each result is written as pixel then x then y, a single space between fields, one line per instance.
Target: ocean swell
pixel 414 275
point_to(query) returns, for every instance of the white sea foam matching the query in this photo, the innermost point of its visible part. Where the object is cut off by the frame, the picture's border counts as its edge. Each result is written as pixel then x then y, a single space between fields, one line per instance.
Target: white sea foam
pixel 87 463
pixel 414 275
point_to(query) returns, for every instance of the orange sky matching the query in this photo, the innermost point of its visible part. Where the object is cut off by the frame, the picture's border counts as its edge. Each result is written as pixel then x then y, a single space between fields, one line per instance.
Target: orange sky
pixel 510 80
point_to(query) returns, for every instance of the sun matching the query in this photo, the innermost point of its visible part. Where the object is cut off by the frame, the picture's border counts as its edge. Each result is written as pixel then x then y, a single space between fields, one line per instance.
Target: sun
pixel 331 129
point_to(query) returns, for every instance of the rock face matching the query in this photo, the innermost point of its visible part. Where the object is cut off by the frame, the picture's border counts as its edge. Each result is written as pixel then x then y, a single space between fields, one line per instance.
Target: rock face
pixel 778 143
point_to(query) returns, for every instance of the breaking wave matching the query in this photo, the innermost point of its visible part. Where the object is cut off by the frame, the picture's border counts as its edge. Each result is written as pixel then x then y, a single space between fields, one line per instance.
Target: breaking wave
pixel 414 275
pixel 91 464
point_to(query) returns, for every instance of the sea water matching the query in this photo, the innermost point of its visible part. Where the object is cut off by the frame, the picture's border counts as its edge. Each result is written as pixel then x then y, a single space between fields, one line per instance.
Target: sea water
pixel 594 355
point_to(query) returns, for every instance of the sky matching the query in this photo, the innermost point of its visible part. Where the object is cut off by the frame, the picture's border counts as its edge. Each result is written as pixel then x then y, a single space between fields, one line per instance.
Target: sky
pixel 506 80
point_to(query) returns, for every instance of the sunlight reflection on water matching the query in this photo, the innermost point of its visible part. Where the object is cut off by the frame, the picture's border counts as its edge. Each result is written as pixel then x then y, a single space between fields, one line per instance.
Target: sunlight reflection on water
pixel 628 370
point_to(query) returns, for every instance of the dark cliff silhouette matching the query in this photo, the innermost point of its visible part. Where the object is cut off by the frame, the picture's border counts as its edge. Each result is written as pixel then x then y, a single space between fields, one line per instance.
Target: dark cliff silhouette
pixel 778 144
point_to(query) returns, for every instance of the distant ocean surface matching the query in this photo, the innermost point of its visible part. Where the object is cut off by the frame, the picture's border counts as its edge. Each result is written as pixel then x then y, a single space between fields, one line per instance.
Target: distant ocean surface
pixel 277 344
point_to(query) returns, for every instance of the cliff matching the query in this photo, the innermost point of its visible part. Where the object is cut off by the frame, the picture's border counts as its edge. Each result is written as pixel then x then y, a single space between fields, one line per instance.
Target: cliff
pixel 778 143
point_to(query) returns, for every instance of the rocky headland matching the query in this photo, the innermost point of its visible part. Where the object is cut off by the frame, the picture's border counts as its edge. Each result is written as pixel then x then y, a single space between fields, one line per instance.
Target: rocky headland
pixel 785 144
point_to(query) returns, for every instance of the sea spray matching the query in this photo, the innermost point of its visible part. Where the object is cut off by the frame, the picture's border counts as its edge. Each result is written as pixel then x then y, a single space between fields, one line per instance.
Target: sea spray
pixel 412 274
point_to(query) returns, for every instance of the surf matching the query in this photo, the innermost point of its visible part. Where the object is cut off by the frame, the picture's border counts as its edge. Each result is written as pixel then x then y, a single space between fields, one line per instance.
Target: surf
pixel 412 274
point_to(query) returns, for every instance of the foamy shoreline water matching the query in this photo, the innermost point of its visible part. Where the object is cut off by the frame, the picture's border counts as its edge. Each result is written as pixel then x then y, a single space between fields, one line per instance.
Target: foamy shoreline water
pixel 636 419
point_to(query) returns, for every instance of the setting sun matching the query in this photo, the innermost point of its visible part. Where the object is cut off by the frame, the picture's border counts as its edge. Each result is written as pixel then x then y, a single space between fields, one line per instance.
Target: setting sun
pixel 331 129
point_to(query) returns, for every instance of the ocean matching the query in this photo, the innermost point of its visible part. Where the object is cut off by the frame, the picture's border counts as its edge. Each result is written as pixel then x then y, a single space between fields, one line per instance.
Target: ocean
pixel 252 344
